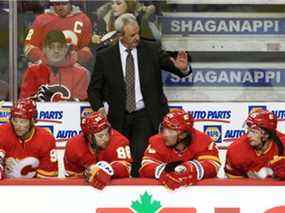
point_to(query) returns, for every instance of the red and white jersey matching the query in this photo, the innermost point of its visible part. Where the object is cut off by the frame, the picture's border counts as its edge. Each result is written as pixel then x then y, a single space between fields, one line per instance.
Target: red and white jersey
pixel 76 27
pixel 243 160
pixel 34 157
pixel 74 77
pixel 79 156
pixel 201 148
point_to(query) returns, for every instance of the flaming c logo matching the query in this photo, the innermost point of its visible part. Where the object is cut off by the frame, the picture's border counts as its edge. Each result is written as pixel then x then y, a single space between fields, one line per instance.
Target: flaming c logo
pixel 59 92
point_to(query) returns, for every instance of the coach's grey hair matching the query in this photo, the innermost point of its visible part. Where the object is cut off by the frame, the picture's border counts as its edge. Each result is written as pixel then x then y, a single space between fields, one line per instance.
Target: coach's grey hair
pixel 123 20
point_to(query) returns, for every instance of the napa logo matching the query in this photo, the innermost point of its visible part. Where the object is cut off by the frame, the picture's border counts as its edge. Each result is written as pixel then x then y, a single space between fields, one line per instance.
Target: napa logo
pixel 66 134
pixel 49 128
pixel 221 116
pixel 255 107
pixel 214 131
pixel 50 116
pixel 84 111
pixel 5 112
pixel 233 134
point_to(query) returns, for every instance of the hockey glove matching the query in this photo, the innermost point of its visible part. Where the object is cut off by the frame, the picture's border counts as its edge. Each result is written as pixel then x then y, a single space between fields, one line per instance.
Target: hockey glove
pixel 99 174
pixel 165 174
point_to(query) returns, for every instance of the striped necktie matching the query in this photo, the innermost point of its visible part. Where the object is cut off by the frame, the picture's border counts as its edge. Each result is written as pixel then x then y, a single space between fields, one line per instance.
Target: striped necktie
pixel 130 83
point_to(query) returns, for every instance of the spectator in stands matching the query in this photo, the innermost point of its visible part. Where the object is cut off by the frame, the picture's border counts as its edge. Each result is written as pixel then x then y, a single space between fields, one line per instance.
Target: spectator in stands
pixel 60 79
pixel 64 16
pixel 26 151
pixel 100 153
pixel 110 11
pixel 128 77
pixel 180 155
pixel 260 152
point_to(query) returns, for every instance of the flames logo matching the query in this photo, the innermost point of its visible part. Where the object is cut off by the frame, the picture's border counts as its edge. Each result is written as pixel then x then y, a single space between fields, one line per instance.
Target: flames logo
pixel 53 93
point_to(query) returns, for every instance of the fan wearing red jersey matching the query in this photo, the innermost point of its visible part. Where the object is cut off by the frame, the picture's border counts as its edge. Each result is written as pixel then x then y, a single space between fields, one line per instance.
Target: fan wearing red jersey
pixel 61 79
pixel 26 151
pixel 180 155
pixel 260 152
pixel 64 16
pixel 100 153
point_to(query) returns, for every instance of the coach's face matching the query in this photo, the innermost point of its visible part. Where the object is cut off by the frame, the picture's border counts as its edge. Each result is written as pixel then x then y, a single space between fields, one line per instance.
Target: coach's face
pixel 130 36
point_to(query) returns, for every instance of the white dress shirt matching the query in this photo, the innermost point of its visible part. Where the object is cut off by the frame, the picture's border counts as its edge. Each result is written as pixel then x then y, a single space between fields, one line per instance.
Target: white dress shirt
pixel 138 92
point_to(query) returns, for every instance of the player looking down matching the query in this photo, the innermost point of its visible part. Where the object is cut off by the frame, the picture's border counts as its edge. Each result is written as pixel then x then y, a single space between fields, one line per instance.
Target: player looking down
pixel 99 152
pixel 180 155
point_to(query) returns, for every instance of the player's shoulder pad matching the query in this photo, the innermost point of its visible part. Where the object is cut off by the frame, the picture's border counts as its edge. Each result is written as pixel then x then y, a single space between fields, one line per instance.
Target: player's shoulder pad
pixel 118 138
pixel 200 137
pixel 42 131
pixel 5 129
pixel 156 142
pixel 239 143
pixel 76 141
pixel 236 148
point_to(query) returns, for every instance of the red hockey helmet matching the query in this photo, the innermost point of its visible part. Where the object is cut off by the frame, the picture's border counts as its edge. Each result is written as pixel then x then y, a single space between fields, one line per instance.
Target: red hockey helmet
pixel 24 108
pixel 94 122
pixel 178 120
pixel 262 118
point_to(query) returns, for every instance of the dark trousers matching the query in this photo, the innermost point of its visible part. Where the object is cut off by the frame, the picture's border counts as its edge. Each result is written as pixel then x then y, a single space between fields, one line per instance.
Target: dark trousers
pixel 137 128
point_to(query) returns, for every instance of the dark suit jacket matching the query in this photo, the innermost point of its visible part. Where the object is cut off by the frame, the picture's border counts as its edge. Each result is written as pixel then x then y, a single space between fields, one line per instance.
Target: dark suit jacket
pixel 107 82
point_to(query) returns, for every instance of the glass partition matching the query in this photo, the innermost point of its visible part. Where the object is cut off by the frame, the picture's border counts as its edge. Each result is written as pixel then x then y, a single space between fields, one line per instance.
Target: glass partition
pixel 4 50
pixel 237 50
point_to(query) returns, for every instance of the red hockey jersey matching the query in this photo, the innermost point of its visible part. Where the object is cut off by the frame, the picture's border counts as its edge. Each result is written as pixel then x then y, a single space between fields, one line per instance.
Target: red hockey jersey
pixel 34 157
pixel 76 27
pixel 78 155
pixel 201 148
pixel 74 77
pixel 243 160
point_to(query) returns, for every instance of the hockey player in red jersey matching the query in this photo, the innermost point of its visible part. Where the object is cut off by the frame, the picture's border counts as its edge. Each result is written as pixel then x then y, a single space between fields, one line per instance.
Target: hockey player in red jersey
pixel 179 155
pixel 26 151
pixel 260 152
pixel 66 17
pixel 100 153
